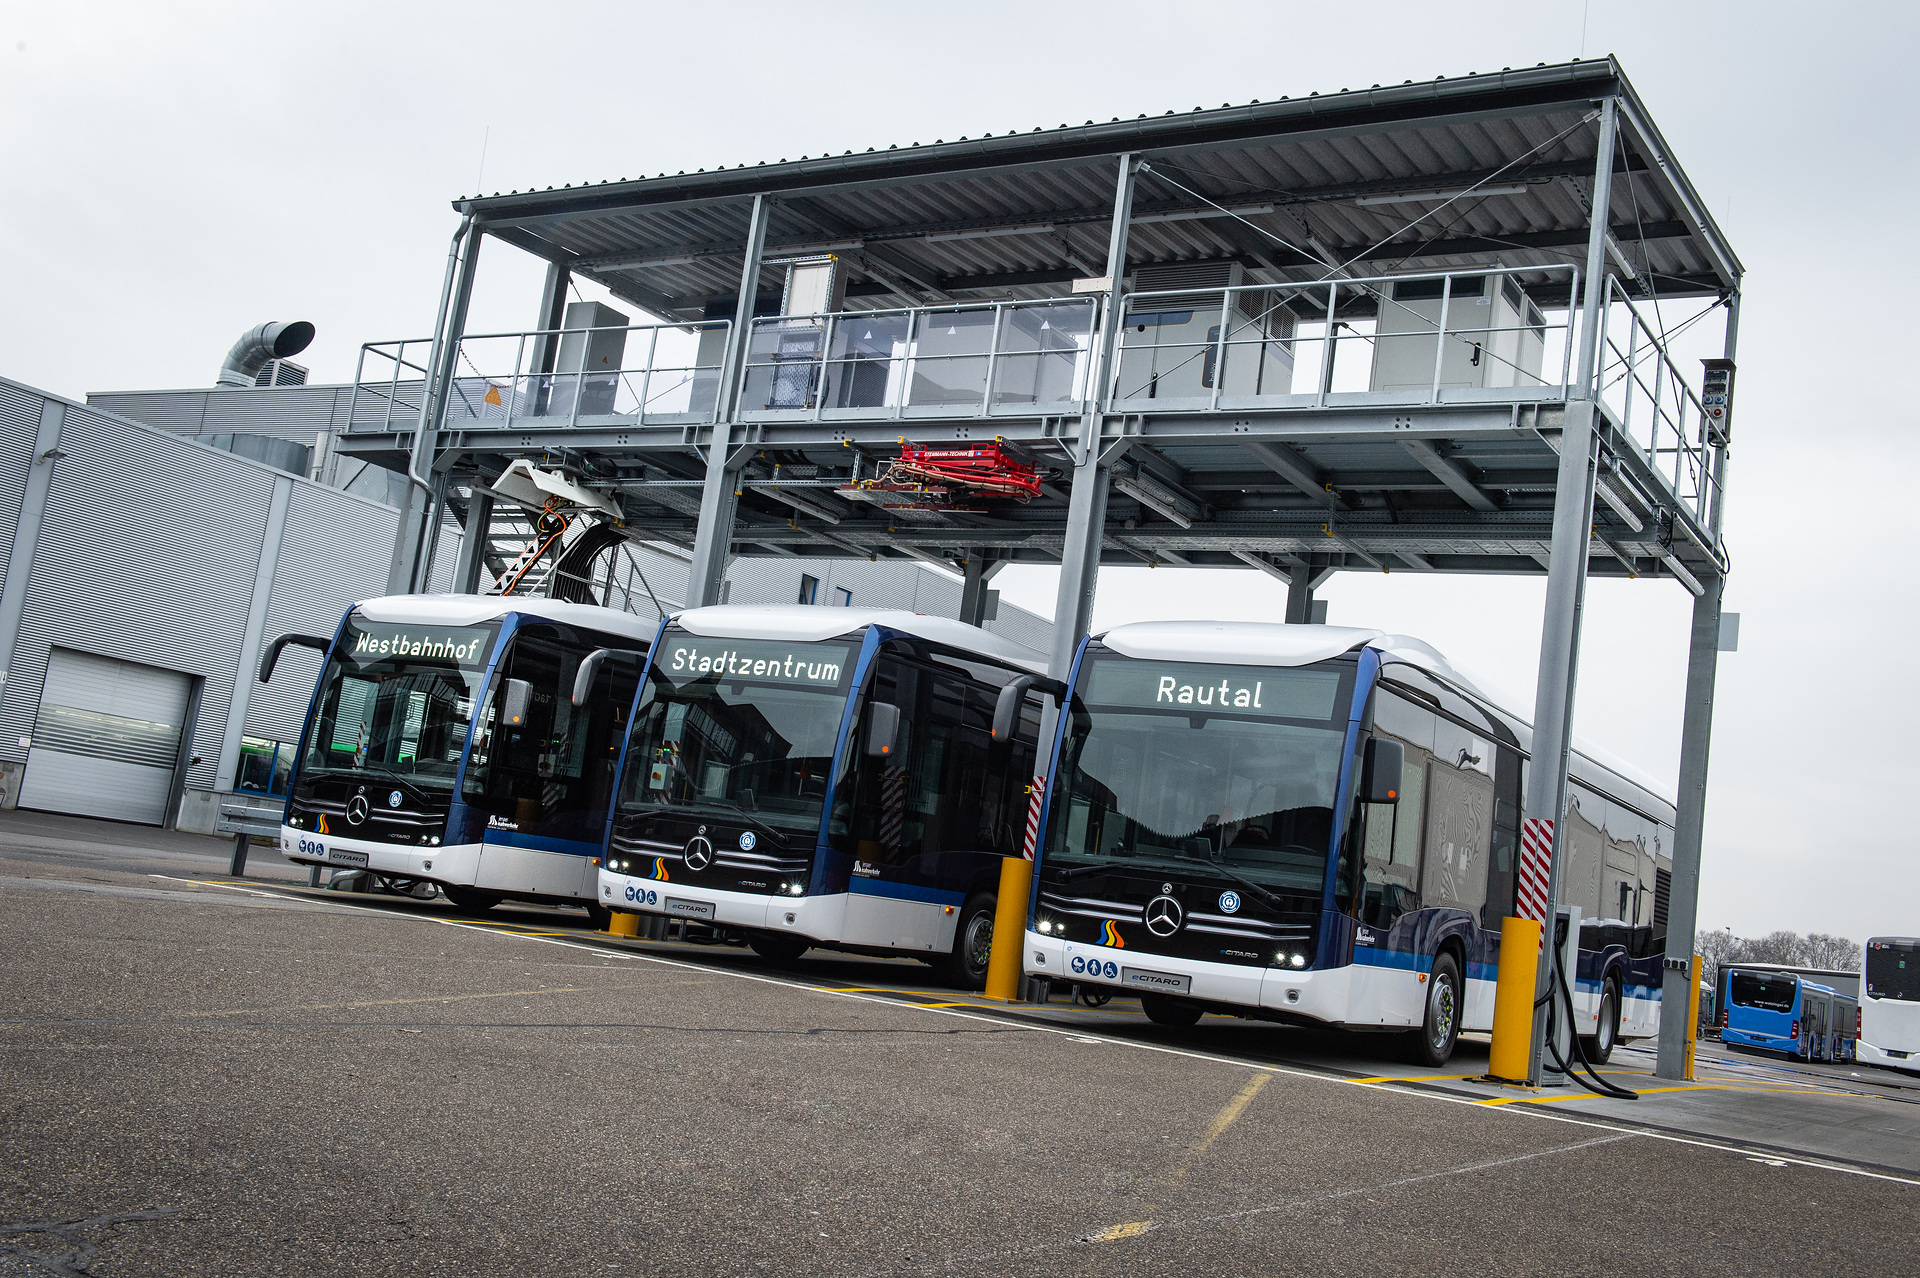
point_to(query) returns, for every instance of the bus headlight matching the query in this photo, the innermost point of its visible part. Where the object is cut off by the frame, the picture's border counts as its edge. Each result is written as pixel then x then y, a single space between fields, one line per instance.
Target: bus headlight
pixel 1298 960
pixel 796 889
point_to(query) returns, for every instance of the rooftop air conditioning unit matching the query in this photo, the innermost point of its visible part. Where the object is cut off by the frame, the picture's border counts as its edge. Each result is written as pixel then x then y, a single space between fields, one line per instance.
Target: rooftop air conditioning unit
pixel 1170 342
pixel 1495 335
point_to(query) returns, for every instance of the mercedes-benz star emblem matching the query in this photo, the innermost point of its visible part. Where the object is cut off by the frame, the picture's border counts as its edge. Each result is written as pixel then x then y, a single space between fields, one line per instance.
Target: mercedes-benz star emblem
pixel 699 853
pixel 1164 916
pixel 356 809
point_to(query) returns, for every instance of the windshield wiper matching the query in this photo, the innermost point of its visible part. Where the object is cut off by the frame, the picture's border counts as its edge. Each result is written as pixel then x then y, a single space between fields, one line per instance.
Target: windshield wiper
pixel 1272 901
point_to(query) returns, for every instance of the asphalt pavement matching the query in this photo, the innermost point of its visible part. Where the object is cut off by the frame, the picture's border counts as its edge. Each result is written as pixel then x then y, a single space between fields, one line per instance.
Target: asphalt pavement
pixel 203 1076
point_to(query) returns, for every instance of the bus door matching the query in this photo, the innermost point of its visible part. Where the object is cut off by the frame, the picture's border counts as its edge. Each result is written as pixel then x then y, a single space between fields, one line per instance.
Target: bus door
pixel 935 807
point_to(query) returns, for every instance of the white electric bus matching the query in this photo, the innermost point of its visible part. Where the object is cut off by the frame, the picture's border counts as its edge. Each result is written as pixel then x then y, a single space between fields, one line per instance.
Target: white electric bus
pixel 1320 824
pixel 445 743
pixel 842 777
pixel 1890 1003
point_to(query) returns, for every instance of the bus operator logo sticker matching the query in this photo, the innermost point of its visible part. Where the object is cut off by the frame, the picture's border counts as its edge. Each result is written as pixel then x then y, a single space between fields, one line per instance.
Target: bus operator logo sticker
pixel 1164 916
pixel 393 800
pixel 699 853
pixel 1094 967
pixel 356 809
pixel 747 840
pixel 1110 935
pixel 1229 902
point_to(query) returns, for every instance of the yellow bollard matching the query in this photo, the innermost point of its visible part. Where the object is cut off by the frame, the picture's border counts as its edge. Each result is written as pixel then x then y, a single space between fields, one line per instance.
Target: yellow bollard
pixel 1513 1000
pixel 1009 929
pixel 1693 1016
pixel 624 924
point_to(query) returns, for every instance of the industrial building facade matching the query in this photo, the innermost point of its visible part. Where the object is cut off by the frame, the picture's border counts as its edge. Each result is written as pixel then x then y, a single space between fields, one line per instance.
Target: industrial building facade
pixel 144 570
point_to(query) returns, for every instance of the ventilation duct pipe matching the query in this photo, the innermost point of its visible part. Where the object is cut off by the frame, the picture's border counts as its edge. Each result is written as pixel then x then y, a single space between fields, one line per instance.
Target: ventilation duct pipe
pixel 258 345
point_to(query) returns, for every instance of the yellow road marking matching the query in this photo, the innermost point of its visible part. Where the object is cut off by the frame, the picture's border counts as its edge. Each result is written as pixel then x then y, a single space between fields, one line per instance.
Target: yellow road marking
pixel 1414 1078
pixel 1132 1229
pixel 1649 1091
pixel 390 1002
pixel 1228 1115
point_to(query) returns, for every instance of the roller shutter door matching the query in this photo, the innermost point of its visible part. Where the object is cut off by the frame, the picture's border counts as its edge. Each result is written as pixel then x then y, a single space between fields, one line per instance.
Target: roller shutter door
pixel 106 740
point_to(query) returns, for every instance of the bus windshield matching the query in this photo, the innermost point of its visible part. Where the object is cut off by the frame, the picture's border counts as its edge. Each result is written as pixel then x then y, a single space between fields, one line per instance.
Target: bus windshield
pixel 395 701
pixel 1173 764
pixel 1767 991
pixel 1893 969
pixel 743 728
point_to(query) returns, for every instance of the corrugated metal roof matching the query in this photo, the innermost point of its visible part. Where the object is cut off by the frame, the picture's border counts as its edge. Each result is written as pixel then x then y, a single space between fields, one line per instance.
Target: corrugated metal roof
pixel 1021 214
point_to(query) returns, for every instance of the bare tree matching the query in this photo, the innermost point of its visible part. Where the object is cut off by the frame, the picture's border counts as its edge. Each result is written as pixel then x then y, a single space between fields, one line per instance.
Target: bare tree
pixel 1836 952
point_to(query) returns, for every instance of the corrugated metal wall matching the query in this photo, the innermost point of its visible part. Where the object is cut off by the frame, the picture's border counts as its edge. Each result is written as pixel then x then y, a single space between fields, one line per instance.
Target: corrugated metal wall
pixel 147 552
pixel 334 551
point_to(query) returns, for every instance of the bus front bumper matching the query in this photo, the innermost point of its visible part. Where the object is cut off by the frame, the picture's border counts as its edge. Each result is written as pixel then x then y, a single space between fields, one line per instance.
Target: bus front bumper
pixel 1867 1054
pixel 816 918
pixel 1319 995
pixel 457 863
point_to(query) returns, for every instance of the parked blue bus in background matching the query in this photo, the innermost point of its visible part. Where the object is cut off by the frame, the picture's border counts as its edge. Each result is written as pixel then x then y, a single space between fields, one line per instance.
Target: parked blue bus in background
pixel 804 776
pixel 1809 1013
pixel 1321 825
pixel 443 744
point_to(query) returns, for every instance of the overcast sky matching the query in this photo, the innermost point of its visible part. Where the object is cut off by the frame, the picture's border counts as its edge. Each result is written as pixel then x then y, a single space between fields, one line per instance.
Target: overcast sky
pixel 173 174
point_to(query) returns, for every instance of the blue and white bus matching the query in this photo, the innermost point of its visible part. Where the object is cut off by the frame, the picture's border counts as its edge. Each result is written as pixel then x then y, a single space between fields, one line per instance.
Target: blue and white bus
pixel 1320 825
pixel 1890 1003
pixel 1808 1012
pixel 841 777
pixel 444 744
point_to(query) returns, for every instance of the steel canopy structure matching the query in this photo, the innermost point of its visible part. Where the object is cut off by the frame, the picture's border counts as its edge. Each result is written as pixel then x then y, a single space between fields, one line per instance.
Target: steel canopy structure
pixel 1408 329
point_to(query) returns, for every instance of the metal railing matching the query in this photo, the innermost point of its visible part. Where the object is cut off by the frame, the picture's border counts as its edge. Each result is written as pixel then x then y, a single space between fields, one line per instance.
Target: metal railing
pixel 552 376
pixel 1657 408
pixel 963 360
pixel 1198 347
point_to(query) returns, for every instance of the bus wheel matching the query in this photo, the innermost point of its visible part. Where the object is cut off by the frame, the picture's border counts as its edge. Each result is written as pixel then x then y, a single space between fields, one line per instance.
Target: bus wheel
pixel 966 967
pixel 777 949
pixel 599 916
pixel 1433 1044
pixel 1164 1009
pixel 470 898
pixel 1597 1047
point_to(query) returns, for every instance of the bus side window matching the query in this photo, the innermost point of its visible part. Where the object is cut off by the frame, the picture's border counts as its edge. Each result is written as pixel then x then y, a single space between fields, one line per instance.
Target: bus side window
pixel 1459 825
pixel 1392 860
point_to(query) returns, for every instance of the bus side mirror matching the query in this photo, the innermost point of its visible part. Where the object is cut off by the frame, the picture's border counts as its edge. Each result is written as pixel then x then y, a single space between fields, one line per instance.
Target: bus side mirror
pixel 1006 711
pixel 1380 770
pixel 590 670
pixel 883 729
pixel 518 695
pixel 271 657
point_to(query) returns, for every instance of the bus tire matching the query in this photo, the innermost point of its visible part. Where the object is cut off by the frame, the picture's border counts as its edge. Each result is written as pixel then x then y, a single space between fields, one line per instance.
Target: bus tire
pixel 778 949
pixel 1432 1045
pixel 1598 1046
pixel 468 898
pixel 966 967
pixel 599 916
pixel 1164 1009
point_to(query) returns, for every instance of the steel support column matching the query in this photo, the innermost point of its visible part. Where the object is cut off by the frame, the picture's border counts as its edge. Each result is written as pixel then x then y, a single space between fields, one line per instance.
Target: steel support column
pixel 1567 575
pixel 474 539
pixel 1299 595
pixel 980 569
pixel 1683 900
pixel 1087 500
pixel 410 539
pixel 719 498
pixel 546 347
